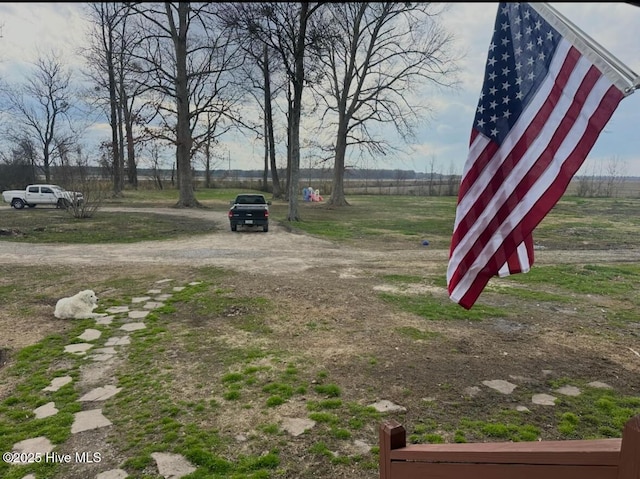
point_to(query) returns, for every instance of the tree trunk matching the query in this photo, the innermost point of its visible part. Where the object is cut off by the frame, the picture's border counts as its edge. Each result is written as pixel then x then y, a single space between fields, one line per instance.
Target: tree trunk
pixel 46 153
pixel 113 119
pixel 121 173
pixel 207 169
pixel 132 170
pixel 183 132
pixel 269 135
pixel 337 193
pixel 298 85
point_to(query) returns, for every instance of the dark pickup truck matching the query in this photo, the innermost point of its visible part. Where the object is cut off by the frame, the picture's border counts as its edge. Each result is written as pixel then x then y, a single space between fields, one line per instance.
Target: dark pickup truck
pixel 249 210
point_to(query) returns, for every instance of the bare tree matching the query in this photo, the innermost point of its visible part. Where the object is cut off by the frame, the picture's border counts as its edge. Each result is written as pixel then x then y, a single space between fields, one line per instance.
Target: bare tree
pixel 103 57
pixel 601 179
pixel 209 159
pixel 42 110
pixel 288 30
pixel 242 19
pixel 375 55
pixel 189 60
pixel 615 176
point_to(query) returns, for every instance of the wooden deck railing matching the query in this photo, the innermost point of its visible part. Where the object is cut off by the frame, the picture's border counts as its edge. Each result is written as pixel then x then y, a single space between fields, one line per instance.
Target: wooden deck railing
pixel 579 459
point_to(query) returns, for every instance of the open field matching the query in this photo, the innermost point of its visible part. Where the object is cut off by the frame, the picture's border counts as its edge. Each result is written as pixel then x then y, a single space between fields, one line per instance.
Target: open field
pixel 313 321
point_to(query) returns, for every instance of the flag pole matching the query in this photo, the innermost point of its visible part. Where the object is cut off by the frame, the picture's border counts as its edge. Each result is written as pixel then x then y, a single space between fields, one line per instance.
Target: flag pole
pixel 631 78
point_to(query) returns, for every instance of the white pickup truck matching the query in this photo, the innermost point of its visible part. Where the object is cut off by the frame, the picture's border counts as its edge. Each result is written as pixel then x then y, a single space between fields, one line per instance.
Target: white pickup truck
pixel 34 195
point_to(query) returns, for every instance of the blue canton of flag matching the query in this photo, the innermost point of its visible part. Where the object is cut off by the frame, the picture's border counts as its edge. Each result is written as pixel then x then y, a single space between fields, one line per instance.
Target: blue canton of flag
pixel 521 50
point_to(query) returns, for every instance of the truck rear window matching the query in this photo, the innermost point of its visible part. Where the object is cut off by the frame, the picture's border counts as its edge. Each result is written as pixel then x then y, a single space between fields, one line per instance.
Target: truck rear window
pixel 250 200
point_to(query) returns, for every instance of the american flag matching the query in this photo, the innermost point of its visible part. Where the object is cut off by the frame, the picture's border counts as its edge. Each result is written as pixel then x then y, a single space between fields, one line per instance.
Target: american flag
pixel 542 107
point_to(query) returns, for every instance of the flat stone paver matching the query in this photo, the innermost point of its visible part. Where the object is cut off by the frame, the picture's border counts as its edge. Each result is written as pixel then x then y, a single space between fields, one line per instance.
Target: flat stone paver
pixel 118 341
pixel 101 394
pixel 360 447
pixel 195 283
pixel 118 309
pixel 113 474
pixel 599 384
pixel 172 466
pixel 472 391
pixel 102 357
pixel 29 476
pixel 106 320
pixel 177 289
pixel 500 385
pixel 107 350
pixel 140 299
pixel 133 326
pixel 78 348
pixel 87 420
pixel 387 406
pixel 90 335
pixel 57 383
pixel 522 409
pixel 37 444
pixel 297 425
pixel 543 400
pixel 153 305
pixel 569 391
pixel 162 281
pixel 138 314
pixel 154 291
pixel 46 410
pixel 163 297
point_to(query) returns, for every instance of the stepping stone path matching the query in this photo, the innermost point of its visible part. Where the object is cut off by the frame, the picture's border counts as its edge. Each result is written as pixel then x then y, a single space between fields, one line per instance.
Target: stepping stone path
pixel 170 466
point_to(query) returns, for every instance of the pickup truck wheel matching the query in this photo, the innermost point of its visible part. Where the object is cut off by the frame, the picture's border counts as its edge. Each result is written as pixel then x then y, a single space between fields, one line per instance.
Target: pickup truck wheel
pixel 265 228
pixel 17 204
pixel 63 203
pixel 234 227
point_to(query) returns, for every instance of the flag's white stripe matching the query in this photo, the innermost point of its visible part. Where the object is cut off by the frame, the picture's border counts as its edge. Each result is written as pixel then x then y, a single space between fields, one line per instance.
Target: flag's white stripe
pixel 524 165
pixel 568 145
pixel 504 271
pixel 523 261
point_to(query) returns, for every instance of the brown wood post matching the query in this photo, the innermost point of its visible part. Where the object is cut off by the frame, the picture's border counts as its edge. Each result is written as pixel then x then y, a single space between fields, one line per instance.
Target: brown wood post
pixel 629 467
pixel 392 436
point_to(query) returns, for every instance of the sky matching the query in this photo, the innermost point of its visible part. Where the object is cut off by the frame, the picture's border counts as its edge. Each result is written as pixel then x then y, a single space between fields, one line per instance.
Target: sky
pixel 29 28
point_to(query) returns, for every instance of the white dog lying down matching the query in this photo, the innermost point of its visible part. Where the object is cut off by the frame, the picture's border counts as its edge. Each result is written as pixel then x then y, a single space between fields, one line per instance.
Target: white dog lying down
pixel 80 306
